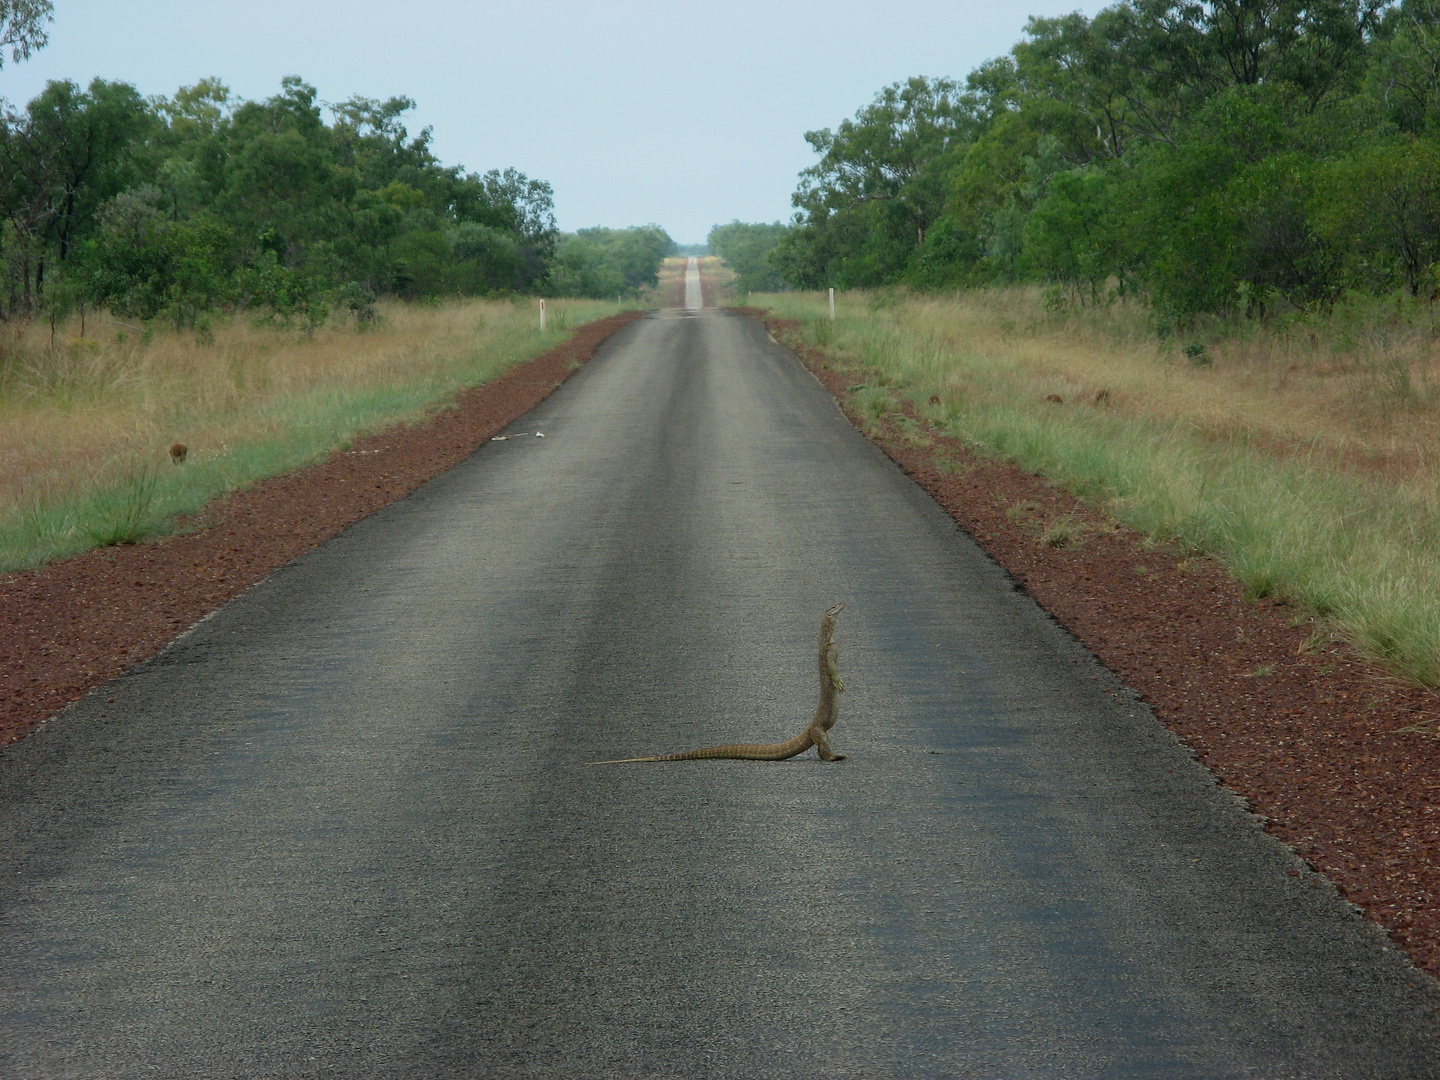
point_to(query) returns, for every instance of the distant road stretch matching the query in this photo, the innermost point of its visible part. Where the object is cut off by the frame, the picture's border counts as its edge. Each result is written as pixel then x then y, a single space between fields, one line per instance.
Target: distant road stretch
pixel 694 299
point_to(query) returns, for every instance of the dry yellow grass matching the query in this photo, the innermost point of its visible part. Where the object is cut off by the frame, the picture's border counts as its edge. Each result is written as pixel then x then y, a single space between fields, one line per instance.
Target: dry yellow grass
pixel 670 289
pixel 721 278
pixel 1362 396
pixel 85 413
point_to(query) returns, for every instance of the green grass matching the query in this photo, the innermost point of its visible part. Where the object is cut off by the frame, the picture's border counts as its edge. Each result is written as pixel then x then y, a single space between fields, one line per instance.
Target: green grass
pixel 1363 552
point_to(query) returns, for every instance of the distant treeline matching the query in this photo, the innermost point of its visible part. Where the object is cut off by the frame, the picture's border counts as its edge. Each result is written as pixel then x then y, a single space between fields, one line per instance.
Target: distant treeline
pixel 1226 156
pixel 746 248
pixel 168 207
pixel 609 262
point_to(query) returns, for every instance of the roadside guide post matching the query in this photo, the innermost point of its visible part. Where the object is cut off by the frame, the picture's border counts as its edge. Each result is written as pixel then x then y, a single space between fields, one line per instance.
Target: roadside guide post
pixel 542 314
pixel 832 305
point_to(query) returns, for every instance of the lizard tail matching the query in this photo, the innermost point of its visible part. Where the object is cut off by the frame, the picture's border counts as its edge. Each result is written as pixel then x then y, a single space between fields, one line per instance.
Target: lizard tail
pixel 814 735
pixel 734 751
pixel 623 760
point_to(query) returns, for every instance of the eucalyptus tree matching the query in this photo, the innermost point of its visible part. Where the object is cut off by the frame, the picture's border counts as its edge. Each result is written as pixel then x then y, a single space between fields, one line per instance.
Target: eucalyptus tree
pixel 879 184
pixel 1161 60
pixel 746 248
pixel 1168 145
pixel 22 27
pixel 1404 75
pixel 604 262
pixel 60 160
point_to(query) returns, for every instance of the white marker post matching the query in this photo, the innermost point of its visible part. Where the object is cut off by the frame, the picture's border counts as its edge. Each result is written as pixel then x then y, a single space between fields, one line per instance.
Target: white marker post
pixel 832 305
pixel 542 315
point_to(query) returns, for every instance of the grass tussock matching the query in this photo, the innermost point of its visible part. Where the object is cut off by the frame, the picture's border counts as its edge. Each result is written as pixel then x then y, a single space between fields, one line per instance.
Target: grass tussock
pixel 86 422
pixel 1299 452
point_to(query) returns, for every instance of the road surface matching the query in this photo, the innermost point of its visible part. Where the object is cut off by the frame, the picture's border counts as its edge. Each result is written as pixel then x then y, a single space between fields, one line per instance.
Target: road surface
pixel 693 295
pixel 344 828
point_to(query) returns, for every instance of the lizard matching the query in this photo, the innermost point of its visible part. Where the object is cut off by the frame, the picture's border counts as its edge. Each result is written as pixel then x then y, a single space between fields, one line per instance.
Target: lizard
pixel 816 735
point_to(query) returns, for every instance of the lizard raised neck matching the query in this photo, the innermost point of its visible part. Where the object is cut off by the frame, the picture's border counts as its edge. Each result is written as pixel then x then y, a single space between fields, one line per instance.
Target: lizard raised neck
pixel 815 735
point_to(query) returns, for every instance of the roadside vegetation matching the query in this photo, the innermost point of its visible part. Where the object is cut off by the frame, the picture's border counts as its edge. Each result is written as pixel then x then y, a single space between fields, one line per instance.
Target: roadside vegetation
pixel 260 281
pixel 1301 454
pixel 86 423
pixel 746 250
pixel 602 262
pixel 1227 157
pixel 1183 258
pixel 172 208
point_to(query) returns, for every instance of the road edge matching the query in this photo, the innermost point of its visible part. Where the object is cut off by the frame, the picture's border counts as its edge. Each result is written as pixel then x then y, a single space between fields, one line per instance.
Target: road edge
pixel 73 625
pixel 1311 775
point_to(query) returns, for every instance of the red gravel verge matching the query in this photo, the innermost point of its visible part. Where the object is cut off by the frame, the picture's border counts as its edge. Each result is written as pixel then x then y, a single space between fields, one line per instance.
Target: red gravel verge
pixel 1340 757
pixel 70 626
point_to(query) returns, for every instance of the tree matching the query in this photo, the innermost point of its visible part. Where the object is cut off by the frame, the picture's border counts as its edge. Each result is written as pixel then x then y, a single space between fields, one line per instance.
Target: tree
pixel 487 260
pixel 893 151
pixel 279 180
pixel 22 27
pixel 879 184
pixel 176 204
pixel 1382 205
pixel 1069 237
pixel 1143 68
pixel 60 160
pixel 609 262
pixel 1404 75
pixel 746 248
pixel 141 264
pixel 1066 61
pixel 1166 58
pixel 510 201
pixel 809 254
pixel 423 263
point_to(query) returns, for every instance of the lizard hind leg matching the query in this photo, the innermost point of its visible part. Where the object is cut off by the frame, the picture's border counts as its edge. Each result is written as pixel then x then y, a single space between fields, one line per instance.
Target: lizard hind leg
pixel 821 738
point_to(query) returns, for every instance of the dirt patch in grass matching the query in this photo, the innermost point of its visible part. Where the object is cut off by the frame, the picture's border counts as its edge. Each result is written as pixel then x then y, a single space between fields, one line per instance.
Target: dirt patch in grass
pixel 1340 758
pixel 70 626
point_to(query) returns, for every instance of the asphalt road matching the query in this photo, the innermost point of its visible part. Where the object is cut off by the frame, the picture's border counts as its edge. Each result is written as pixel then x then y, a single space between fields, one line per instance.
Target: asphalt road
pixel 343 827
pixel 693 296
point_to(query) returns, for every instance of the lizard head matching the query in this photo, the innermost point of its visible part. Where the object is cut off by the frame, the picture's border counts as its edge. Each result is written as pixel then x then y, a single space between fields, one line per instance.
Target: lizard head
pixel 830 613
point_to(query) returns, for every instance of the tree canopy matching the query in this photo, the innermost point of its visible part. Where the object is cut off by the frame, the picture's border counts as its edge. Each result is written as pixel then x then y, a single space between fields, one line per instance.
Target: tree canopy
pixel 1216 155
pixel 746 249
pixel 171 206
pixel 22 27
pixel 610 262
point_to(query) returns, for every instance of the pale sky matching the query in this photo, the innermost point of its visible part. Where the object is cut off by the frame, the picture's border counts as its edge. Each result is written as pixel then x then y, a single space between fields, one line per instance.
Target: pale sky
pixel 635 111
